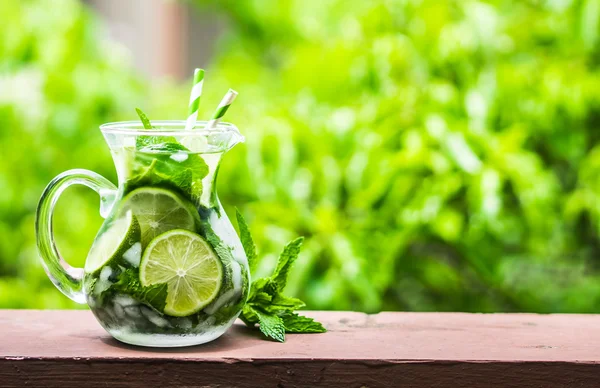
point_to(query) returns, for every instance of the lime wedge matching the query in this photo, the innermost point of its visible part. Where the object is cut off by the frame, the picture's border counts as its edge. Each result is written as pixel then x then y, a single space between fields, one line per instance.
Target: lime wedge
pixel 159 210
pixel 112 242
pixel 188 265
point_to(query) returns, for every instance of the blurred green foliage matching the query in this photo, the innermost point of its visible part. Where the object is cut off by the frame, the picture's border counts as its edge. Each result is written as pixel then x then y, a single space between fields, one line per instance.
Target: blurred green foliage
pixel 58 82
pixel 437 155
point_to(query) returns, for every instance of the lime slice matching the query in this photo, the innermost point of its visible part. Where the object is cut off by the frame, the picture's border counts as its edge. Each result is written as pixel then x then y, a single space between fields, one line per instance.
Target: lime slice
pixel 188 265
pixel 159 210
pixel 113 242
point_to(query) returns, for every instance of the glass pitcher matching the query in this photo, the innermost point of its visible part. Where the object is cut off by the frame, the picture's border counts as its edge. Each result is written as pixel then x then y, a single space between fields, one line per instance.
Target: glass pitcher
pixel 167 267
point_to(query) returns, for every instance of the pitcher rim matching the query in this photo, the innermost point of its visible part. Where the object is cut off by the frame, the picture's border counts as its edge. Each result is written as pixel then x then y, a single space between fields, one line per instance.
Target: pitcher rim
pixel 135 128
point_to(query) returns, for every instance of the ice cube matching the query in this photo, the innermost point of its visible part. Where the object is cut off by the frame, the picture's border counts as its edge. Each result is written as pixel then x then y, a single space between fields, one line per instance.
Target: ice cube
pixel 184 323
pixel 133 311
pixel 134 254
pixel 105 273
pixel 119 312
pixel 220 302
pixel 154 317
pixel 179 157
pixel 103 283
pixel 236 276
pixel 124 300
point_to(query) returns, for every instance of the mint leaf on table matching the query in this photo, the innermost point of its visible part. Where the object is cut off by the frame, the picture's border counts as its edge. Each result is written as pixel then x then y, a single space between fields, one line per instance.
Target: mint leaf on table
pixel 271 325
pixel 267 307
pixel 282 302
pixel 295 323
pixel 286 259
pixel 262 298
pixel 248 316
pixel 247 241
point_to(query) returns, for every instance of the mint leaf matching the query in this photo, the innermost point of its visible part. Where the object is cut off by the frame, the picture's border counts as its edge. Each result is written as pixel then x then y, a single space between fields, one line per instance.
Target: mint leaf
pixel 144 141
pixel 248 316
pixel 141 142
pixel 271 301
pixel 90 284
pixel 282 302
pixel 262 299
pixel 271 325
pixel 145 121
pixel 295 323
pixel 184 171
pixel 216 242
pixel 266 285
pixel 225 253
pixel 247 241
pixel 164 147
pixel 286 259
pixel 167 164
pixel 129 283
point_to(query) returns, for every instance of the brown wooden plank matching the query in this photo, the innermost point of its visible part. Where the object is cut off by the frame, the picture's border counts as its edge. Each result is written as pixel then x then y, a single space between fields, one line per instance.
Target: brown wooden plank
pixel 65 348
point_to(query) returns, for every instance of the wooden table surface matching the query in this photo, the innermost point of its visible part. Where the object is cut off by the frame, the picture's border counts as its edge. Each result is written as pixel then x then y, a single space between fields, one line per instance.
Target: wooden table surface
pixel 69 348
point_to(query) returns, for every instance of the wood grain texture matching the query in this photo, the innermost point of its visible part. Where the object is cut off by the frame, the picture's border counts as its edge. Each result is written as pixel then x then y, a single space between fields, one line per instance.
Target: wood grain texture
pixel 68 348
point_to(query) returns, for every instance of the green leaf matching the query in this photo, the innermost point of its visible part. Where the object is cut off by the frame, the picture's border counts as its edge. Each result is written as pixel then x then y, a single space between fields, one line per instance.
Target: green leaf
pixel 247 241
pixel 129 283
pixel 144 141
pixel 295 323
pixel 267 285
pixel 271 325
pixel 262 298
pixel 222 251
pixel 154 166
pixel 90 284
pixel 286 259
pixel 165 147
pixel 248 316
pixel 279 304
pixel 283 302
pixel 145 121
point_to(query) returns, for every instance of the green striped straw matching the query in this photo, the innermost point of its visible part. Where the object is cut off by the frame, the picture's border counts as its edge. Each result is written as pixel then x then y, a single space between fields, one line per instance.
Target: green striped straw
pixel 195 99
pixel 222 108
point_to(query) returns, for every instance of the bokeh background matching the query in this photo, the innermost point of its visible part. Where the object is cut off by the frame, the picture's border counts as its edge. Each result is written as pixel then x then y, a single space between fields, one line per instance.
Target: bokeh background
pixel 437 155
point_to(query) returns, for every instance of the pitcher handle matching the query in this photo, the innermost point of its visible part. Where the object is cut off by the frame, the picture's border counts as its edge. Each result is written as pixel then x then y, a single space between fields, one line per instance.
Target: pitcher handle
pixel 68 279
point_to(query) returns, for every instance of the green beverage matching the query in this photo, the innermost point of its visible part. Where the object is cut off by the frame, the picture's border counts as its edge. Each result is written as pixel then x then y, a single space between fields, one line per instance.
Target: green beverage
pixel 167 267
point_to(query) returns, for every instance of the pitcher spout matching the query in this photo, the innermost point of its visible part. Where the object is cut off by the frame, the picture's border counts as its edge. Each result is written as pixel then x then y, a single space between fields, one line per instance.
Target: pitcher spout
pixel 169 155
pixel 200 139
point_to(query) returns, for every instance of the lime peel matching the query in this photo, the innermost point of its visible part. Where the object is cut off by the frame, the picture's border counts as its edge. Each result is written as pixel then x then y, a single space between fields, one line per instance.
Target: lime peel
pixel 120 235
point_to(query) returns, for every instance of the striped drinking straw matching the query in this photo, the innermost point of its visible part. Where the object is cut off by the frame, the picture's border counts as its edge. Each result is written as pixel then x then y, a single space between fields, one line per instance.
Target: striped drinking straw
pixel 222 108
pixel 195 99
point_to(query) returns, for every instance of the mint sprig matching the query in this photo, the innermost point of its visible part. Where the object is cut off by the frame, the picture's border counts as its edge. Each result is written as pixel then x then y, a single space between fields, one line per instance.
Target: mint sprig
pixel 267 307
pixel 154 165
